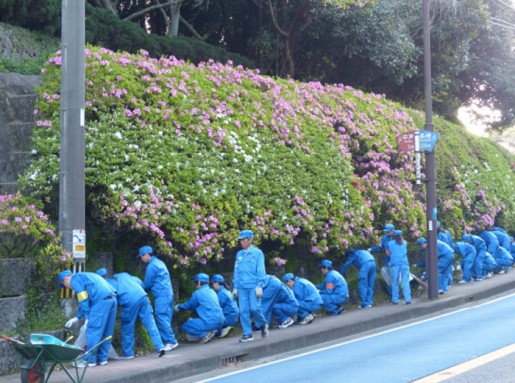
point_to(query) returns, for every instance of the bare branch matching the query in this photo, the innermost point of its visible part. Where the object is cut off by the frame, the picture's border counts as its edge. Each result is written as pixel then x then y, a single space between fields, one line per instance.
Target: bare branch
pixel 151 8
pixel 192 29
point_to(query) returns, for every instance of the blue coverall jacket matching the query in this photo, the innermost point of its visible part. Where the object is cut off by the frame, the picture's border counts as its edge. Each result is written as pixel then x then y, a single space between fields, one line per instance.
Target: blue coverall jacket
pixel 468 256
pixel 308 297
pixel 334 291
pixel 135 304
pixel 365 263
pixel 491 241
pixel 383 247
pixel 400 270
pixel 504 240
pixel 210 315
pixel 97 303
pixel 229 306
pixel 157 280
pixel 249 268
pixel 445 236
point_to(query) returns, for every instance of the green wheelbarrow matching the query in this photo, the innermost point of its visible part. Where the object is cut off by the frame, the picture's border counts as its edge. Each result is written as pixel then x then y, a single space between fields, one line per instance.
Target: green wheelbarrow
pixel 44 352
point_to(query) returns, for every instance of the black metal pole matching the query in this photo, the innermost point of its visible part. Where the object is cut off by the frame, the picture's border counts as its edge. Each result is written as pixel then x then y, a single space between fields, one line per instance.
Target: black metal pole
pixel 431 212
pixel 72 156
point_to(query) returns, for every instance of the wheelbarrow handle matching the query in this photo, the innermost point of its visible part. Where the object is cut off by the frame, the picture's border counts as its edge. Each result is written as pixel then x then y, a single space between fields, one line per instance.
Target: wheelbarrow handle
pixel 98 345
pixel 5 337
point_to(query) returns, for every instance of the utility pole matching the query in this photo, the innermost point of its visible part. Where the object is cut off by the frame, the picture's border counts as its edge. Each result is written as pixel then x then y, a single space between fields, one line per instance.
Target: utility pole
pixel 431 211
pixel 72 194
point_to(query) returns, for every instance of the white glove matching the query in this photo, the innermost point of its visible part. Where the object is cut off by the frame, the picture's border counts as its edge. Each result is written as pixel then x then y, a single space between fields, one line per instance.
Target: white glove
pixel 259 292
pixel 176 308
pixel 235 293
pixel 71 322
pixel 369 249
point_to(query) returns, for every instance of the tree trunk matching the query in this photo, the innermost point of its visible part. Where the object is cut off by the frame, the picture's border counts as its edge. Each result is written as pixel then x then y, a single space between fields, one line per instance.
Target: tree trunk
pixel 175 17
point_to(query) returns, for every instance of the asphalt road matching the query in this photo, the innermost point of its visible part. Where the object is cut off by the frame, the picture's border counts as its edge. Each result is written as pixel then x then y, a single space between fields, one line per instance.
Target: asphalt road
pixel 407 353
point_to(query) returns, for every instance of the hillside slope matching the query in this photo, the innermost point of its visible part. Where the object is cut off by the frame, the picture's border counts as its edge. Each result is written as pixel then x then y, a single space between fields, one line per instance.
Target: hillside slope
pixel 188 155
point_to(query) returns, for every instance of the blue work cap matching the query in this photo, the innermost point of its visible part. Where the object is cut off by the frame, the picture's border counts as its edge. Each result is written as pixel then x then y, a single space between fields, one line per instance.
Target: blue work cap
pixel 421 241
pixel 144 250
pixel 325 263
pixel 388 227
pixel 287 277
pixel 397 232
pixel 217 278
pixel 438 224
pixel 101 272
pixel 201 277
pixel 465 237
pixel 245 234
pixel 63 274
pixel 350 251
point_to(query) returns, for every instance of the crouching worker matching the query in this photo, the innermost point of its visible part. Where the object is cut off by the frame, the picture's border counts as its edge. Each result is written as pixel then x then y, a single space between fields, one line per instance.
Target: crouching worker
pixel 307 296
pixel 97 303
pixel 334 291
pixel 210 316
pixel 227 303
pixel 133 300
pixel 285 307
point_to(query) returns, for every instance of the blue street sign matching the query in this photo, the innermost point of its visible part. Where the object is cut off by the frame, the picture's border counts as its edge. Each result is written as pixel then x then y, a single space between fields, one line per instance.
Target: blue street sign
pixel 428 140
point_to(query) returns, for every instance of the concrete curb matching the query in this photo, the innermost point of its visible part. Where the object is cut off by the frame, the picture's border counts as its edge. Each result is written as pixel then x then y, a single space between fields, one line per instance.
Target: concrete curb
pixel 189 360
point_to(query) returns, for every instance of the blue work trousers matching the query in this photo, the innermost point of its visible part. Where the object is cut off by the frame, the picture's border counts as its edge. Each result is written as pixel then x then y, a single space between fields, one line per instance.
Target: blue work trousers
pixel 332 302
pixel 488 265
pixel 366 279
pixel 102 317
pixel 198 327
pixel 164 315
pixel 478 263
pixel 467 264
pixel 268 300
pixel 250 305
pixel 306 308
pixel 281 311
pixel 142 310
pixel 400 272
pixel 444 272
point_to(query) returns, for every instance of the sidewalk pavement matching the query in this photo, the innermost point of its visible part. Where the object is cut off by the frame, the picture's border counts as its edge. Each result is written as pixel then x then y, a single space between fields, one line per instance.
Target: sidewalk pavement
pixel 192 359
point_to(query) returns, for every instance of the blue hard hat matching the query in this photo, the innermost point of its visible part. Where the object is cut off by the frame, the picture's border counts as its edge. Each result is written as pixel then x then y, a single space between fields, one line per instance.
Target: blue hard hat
pixel 101 272
pixel 287 277
pixel 217 278
pixel 388 227
pixel 397 232
pixel 465 237
pixel 421 241
pixel 245 234
pixel 201 277
pixel 63 274
pixel 325 263
pixel 144 250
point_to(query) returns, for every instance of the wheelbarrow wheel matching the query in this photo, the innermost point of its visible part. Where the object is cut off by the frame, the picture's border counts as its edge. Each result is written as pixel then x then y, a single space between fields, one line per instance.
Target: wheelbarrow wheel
pixel 36 374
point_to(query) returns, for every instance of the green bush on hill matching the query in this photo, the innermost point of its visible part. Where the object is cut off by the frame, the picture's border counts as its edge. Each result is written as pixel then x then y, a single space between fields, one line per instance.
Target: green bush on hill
pixel 187 155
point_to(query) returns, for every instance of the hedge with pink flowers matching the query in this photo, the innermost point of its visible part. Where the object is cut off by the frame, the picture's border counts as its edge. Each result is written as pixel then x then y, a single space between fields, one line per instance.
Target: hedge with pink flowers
pixel 187 155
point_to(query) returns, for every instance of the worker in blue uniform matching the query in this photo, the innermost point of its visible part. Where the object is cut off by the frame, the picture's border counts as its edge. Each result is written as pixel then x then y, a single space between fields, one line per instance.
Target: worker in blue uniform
pixel 512 247
pixel 334 291
pixel 443 234
pixel 480 247
pixel 249 268
pixel 307 296
pixel 227 303
pixel 285 307
pixel 157 280
pixel 445 255
pixel 366 264
pixel 489 265
pixel 383 248
pixel 133 300
pixel 210 315
pixel 398 253
pixel 468 256
pixel 97 303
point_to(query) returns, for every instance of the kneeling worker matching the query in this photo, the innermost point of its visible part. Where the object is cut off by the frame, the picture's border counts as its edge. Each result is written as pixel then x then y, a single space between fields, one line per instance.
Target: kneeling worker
pixel 228 304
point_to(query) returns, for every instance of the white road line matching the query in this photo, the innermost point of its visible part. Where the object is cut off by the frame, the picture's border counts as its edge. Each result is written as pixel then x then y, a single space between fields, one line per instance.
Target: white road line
pixel 467 366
